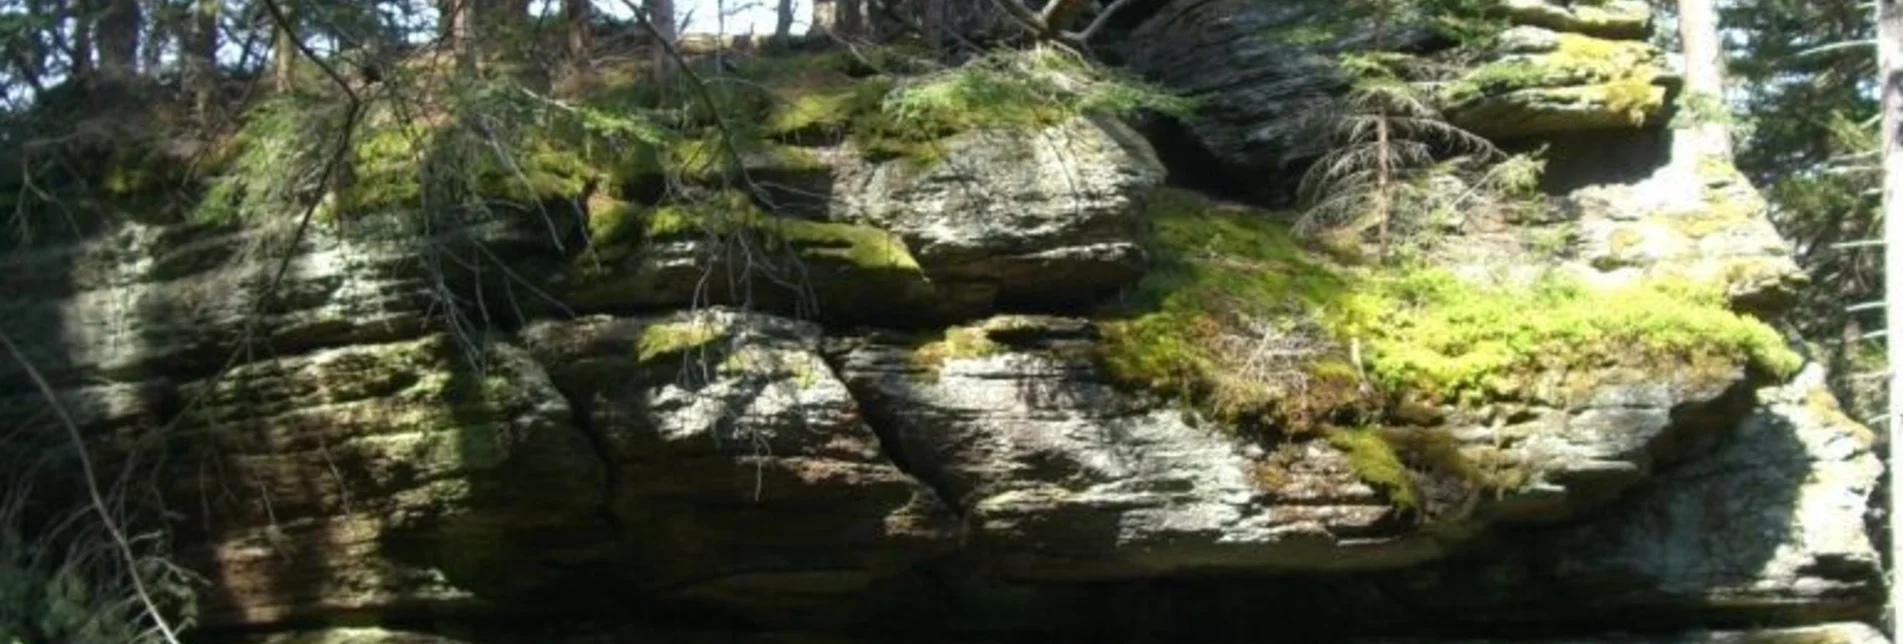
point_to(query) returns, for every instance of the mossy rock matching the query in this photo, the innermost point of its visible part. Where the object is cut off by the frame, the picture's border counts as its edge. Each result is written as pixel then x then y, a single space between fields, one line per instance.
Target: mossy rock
pixel 677 254
pixel 1625 19
pixel 1229 280
pixel 1562 82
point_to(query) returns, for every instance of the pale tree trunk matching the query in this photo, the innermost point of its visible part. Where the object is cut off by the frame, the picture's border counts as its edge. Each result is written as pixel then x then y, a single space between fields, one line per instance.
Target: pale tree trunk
pixel 660 14
pixel 578 13
pixel 119 38
pixel 1890 72
pixel 201 54
pixel 459 26
pixel 1704 82
pixel 284 49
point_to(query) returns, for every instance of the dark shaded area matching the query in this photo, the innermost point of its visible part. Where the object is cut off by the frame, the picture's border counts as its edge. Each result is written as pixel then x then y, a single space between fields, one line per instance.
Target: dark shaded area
pixel 1579 159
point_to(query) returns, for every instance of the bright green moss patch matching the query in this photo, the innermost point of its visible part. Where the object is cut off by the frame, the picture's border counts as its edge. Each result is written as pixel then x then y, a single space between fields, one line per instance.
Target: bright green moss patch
pixel 861 247
pixel 1219 273
pixel 1375 461
pixel 1448 338
pixel 1229 281
pixel 1626 68
pixel 908 117
pixel 958 342
pixel 671 339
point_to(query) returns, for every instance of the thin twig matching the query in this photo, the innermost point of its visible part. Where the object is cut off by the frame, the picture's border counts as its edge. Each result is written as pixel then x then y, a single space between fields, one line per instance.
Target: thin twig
pixel 92 489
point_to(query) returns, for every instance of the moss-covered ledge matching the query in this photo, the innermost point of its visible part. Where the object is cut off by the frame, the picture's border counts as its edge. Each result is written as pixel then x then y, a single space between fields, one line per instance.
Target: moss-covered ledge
pixel 1242 324
pixel 1544 82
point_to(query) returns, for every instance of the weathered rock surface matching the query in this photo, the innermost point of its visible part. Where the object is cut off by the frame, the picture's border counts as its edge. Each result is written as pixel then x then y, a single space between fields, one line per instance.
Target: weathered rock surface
pixel 407 441
pixel 714 425
pixel 1567 68
pixel 1703 224
pixel 1043 218
pixel 1624 19
pixel 1257 84
pixel 1768 527
pixel 1059 474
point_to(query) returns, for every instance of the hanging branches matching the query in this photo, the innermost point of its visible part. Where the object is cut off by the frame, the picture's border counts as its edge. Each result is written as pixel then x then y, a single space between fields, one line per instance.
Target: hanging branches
pixel 1052 23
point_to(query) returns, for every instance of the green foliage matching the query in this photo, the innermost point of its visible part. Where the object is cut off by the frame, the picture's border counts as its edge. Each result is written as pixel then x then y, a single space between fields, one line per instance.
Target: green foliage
pixel 461 148
pixel 282 148
pixel 1384 145
pixel 908 117
pixel 1218 270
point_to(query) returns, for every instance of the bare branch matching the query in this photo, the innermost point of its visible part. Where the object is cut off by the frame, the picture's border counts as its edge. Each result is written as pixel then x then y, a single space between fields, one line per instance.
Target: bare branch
pixel 1103 18
pixel 92 490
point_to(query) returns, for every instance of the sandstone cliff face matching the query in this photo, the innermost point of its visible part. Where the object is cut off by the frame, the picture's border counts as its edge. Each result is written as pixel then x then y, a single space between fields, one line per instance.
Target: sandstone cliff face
pixel 962 445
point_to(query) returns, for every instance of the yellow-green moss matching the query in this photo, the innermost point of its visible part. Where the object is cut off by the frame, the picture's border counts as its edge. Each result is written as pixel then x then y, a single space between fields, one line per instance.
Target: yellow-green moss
pixel 805 370
pixel 862 247
pixel 1446 337
pixel 668 339
pixel 1625 70
pixel 1375 461
pixel 1223 272
pixel 1625 240
pixel 1216 269
pixel 1633 96
pixel 957 342
pixel 708 157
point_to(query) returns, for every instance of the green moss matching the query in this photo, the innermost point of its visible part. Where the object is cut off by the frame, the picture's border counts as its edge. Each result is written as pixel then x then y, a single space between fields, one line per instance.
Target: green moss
pixel 805 370
pixel 1222 274
pixel 671 339
pixel 1624 68
pixel 1633 96
pixel 909 118
pixel 707 158
pixel 1376 462
pixel 1625 240
pixel 1448 338
pixel 957 342
pixel 860 247
pixel 1217 269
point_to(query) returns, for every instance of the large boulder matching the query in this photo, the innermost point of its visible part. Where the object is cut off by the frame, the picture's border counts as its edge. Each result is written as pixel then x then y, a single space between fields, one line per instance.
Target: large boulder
pixel 1061 474
pixel 382 479
pixel 1036 218
pixel 717 423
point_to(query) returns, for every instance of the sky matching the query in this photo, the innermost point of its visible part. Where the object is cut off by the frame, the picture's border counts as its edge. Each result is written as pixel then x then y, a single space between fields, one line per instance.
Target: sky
pixel 741 14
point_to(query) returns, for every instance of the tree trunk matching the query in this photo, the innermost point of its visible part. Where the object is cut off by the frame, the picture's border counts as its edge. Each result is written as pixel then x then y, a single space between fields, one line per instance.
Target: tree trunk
pixel 459 28
pixel 783 23
pixel 82 64
pixel 119 38
pixel 933 24
pixel 201 55
pixel 284 49
pixel 1890 76
pixel 660 14
pixel 578 15
pixel 1704 81
pixel 158 31
pixel 852 17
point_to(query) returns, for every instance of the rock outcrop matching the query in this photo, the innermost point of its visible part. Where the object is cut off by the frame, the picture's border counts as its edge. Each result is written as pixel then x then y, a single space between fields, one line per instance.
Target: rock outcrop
pixel 1017 388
